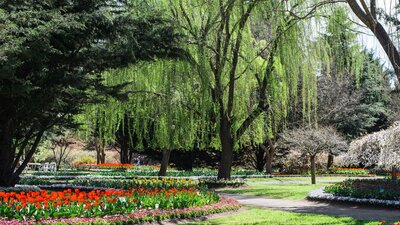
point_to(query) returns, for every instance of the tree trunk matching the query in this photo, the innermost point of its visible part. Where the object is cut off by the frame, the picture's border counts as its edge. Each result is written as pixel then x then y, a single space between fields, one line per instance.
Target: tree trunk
pixel 124 151
pixel 100 151
pixel 270 156
pixel 164 162
pixel 260 158
pixel 312 160
pixel 268 167
pixel 330 161
pixel 6 175
pixel 394 173
pixel 225 135
pixel 9 172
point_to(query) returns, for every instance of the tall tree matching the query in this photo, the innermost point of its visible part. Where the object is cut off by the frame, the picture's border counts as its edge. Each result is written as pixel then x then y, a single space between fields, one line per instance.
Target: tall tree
pixel 51 56
pixel 249 48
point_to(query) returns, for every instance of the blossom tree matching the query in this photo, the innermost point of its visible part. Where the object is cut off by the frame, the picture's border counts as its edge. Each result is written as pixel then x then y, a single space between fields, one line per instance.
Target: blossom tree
pixel 310 142
pixel 379 149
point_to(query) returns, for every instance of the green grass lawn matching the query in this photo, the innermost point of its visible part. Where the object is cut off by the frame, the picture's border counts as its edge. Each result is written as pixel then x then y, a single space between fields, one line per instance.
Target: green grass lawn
pixel 274 217
pixel 282 190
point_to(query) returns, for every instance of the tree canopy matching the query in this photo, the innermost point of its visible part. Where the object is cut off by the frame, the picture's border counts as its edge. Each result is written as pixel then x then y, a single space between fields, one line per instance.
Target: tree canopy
pixel 52 56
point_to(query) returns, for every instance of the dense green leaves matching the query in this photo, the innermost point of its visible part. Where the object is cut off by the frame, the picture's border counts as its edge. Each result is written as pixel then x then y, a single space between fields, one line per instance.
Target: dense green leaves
pixel 51 58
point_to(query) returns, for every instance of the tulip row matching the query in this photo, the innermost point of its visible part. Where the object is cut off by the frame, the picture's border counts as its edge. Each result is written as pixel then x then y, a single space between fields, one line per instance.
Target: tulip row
pixel 139 216
pixel 148 183
pixel 76 203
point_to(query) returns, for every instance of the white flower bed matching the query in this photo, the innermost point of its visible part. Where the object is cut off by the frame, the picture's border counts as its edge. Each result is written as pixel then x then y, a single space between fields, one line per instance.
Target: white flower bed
pixel 45 177
pixel 320 194
pixel 20 188
pixel 68 186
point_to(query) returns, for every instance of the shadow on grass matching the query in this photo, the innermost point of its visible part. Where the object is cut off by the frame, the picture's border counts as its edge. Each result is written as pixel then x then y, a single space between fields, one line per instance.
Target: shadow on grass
pixel 268 216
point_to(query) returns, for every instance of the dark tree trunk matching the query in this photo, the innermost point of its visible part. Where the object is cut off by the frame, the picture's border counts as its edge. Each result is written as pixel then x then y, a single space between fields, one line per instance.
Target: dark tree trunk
pixel 164 162
pixel 312 161
pixel 100 152
pixel 7 178
pixel 184 160
pixel 124 151
pixel 260 158
pixel 9 170
pixel 270 156
pixel 123 136
pixel 330 161
pixel 394 173
pixel 268 165
pixel 224 170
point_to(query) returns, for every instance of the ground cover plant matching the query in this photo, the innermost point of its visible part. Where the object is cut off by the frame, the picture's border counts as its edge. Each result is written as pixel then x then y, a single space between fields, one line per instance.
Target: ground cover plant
pixel 378 189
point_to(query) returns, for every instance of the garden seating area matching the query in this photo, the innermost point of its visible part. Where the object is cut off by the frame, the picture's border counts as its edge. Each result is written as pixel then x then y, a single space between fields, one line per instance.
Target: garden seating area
pixel 45 167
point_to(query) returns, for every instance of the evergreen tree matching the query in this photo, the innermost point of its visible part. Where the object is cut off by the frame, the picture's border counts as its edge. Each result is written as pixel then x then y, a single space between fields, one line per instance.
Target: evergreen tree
pixel 52 54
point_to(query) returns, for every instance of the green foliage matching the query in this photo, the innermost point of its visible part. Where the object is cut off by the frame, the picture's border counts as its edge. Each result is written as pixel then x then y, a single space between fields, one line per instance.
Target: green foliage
pixel 85 159
pixel 166 93
pixel 52 54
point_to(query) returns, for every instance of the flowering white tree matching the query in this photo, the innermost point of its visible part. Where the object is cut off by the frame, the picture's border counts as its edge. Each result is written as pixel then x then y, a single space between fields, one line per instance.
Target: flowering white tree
pixel 381 149
pixel 312 141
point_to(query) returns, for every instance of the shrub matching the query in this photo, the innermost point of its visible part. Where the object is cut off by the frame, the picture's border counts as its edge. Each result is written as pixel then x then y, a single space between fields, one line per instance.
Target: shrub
pixel 85 159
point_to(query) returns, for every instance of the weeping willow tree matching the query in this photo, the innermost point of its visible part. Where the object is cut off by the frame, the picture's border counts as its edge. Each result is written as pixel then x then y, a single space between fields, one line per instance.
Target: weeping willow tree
pixel 166 110
pixel 251 56
pixel 248 59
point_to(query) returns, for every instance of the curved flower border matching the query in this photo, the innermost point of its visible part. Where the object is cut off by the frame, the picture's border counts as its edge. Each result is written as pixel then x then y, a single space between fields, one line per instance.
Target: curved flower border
pixel 140 216
pixel 65 177
pixel 320 194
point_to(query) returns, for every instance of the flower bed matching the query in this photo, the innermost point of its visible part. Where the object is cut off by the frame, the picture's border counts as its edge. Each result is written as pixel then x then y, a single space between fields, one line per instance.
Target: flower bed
pixel 322 175
pixel 330 172
pixel 165 183
pixel 112 165
pixel 320 194
pixel 51 179
pixel 376 192
pixel 139 216
pixel 76 203
pixel 377 188
pixel 150 171
pixel 214 183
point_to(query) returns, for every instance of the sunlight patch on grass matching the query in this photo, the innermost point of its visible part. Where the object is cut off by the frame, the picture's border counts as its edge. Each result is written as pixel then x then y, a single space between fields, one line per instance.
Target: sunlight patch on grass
pixel 279 191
